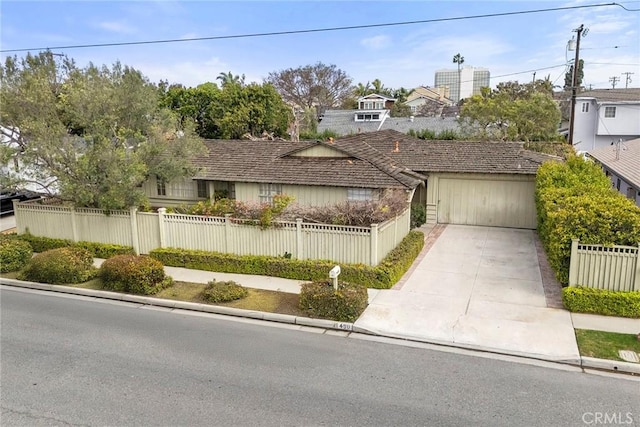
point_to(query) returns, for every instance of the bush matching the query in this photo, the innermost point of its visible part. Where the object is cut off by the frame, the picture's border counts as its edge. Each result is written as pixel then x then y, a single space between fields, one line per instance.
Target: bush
pixel 602 301
pixel 14 254
pixel 134 274
pixel 216 292
pixel 320 299
pixel 60 266
pixel 418 215
pixel 574 200
pixel 385 275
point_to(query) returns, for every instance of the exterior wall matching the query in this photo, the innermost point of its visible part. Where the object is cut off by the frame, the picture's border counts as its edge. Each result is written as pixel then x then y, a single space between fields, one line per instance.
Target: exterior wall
pixel 319 151
pixel 147 231
pixel 625 188
pixel 248 191
pixel 179 193
pixel 592 130
pixel 499 200
pixel 315 195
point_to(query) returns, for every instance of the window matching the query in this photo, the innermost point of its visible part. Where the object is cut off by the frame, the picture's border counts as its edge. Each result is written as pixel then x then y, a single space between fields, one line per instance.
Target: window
pixel 379 105
pixel 161 186
pixel 367 117
pixel 585 107
pixel 203 189
pixel 267 191
pixel 359 194
pixel 631 192
pixel 368 105
pixel 609 112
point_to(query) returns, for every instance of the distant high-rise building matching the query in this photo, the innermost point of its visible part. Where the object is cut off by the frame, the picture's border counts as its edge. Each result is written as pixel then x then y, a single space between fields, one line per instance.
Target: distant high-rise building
pixel 468 83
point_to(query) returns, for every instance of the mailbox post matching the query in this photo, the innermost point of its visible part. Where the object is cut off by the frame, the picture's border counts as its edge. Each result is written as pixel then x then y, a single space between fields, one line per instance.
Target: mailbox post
pixel 333 274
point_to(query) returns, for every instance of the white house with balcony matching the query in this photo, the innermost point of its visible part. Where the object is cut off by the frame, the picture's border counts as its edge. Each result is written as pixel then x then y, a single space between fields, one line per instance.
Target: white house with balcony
pixel 604 117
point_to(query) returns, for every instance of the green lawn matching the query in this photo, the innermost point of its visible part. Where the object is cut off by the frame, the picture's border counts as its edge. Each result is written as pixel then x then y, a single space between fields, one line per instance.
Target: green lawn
pixel 605 345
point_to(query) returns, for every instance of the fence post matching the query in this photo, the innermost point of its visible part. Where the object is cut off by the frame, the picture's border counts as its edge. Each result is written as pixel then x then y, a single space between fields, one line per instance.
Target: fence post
pixel 374 245
pixel 161 214
pixel 74 224
pixel 635 286
pixel 227 233
pixel 135 238
pixel 299 242
pixel 573 263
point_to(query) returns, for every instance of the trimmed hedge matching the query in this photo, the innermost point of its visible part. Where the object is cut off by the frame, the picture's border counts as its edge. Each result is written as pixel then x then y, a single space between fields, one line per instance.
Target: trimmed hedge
pixel 14 254
pixel 574 200
pixel 320 299
pixel 60 266
pixel 383 276
pixel 602 301
pixel 43 244
pixel 216 291
pixel 134 274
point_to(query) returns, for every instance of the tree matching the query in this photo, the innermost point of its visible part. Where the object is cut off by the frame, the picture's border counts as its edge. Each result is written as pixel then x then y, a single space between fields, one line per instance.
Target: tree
pixel 319 85
pixel 568 77
pixel 230 78
pixel 194 105
pixel 513 111
pixel 458 59
pixel 92 136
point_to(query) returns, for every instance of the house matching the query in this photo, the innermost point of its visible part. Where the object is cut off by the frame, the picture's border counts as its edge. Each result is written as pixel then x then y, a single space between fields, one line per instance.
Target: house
pixel 458 182
pixel 606 116
pixel 426 101
pixel 621 162
pixel 474 183
pixel 314 173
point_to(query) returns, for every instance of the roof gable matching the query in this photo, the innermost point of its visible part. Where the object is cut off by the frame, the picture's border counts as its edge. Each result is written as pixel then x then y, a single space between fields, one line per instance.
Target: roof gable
pixel 318 149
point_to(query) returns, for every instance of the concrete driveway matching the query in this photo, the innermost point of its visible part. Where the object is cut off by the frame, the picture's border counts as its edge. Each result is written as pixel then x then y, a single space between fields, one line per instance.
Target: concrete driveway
pixel 476 287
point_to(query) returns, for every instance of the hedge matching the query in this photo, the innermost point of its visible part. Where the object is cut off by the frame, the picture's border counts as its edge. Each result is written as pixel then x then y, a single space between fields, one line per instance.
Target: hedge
pixel 60 266
pixel 602 301
pixel 574 200
pixel 134 274
pixel 14 254
pixel 383 276
pixel 320 299
pixel 98 250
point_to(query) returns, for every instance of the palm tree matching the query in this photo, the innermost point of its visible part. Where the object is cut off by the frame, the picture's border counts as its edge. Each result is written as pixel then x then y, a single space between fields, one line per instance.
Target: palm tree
pixel 230 78
pixel 458 59
pixel 362 90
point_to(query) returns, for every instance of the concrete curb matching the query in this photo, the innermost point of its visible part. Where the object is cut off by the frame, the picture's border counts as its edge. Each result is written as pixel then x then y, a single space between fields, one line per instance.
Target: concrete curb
pixel 585 362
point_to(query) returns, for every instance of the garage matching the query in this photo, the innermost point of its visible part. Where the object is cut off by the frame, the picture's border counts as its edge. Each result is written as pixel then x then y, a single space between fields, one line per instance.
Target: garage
pixel 484 199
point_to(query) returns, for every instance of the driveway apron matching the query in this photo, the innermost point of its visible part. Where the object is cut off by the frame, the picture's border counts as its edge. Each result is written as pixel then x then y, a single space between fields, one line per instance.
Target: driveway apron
pixel 480 288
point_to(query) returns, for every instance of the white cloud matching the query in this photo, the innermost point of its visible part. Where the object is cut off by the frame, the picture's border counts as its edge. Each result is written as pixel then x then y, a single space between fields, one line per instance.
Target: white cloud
pixel 376 42
pixel 117 27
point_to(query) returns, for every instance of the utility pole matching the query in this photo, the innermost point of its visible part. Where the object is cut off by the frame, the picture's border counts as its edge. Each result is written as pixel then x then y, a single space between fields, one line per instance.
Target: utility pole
pixel 614 81
pixel 534 77
pixel 627 79
pixel 574 83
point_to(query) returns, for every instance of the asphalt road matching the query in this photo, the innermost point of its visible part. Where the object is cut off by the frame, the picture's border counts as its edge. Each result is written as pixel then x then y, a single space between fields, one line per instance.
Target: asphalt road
pixel 69 361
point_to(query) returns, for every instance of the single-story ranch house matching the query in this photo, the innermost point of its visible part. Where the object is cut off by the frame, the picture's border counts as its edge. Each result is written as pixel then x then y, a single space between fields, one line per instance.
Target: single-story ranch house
pixel 478 183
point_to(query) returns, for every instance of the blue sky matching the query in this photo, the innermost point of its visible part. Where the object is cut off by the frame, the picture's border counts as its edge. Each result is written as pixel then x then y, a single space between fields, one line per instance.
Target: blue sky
pixel 406 55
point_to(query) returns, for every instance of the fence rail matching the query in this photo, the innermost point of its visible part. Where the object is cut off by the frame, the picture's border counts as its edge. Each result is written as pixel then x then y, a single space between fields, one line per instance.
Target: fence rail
pixel 615 268
pixel 147 231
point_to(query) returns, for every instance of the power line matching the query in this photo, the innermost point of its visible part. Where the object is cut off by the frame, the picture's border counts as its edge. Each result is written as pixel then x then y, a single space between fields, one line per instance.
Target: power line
pixel 318 30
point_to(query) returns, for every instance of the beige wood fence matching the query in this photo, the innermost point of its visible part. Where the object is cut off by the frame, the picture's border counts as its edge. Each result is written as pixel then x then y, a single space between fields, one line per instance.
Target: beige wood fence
pixel 616 268
pixel 146 231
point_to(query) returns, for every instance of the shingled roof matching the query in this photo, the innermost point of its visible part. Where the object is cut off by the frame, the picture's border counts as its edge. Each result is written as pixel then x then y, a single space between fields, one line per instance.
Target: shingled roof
pixel 452 156
pixel 627 163
pixel 612 95
pixel 284 162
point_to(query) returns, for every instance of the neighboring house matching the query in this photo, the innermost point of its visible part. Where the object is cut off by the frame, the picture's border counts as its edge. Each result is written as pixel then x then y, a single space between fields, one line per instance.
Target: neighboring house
pixel 606 116
pixel 342 122
pixel 430 102
pixel 17 170
pixel 374 101
pixel 477 183
pixel 314 173
pixel 621 162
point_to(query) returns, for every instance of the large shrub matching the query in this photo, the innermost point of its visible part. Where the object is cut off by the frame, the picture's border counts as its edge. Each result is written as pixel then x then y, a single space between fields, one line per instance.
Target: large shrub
pixel 574 200
pixel 60 266
pixel 383 276
pixel 320 299
pixel 218 291
pixel 134 274
pixel 418 215
pixel 14 254
pixel 602 301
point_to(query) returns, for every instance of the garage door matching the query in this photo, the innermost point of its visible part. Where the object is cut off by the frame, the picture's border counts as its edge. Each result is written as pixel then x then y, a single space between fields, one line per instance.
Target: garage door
pixel 498 203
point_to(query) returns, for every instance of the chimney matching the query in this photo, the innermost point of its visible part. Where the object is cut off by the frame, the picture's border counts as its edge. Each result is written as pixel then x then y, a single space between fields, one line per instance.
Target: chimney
pixel 397 147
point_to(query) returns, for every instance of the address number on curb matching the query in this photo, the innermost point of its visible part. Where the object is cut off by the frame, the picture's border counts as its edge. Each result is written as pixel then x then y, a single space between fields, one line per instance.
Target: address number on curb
pixel 345 326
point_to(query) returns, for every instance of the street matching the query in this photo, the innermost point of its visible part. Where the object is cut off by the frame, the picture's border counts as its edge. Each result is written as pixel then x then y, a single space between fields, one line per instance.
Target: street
pixel 69 361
